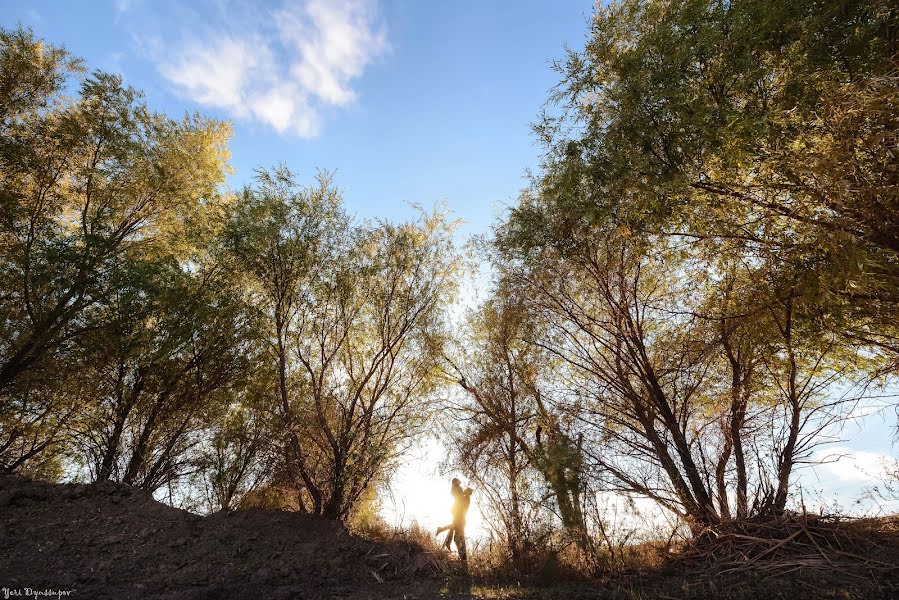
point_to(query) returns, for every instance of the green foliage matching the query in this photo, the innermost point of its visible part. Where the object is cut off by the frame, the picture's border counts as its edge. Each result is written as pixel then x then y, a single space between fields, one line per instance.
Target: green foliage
pixel 105 211
pixel 238 458
pixel 711 237
pixel 154 329
pixel 758 128
pixel 352 315
pixel 32 73
pixel 168 343
pixel 86 183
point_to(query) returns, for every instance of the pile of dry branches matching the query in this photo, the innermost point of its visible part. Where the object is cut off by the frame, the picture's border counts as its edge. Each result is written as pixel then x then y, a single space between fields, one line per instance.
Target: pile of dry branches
pixel 390 561
pixel 781 544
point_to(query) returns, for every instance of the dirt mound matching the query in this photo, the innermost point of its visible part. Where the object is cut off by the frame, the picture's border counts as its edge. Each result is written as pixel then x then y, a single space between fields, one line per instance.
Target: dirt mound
pixel 114 541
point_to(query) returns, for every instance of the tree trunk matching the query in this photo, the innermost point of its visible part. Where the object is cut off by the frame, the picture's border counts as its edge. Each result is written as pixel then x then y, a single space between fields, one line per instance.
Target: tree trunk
pixel 787 458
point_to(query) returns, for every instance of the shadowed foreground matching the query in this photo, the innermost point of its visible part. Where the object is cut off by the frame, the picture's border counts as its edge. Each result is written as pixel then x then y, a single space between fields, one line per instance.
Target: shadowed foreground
pixel 113 541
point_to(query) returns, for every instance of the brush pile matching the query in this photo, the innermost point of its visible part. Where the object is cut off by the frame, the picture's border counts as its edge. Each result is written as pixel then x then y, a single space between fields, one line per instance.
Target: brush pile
pixel 790 542
pixel 400 560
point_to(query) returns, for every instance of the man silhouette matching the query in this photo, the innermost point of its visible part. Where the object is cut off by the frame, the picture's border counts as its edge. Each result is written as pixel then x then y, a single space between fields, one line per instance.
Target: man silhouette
pixel 461 502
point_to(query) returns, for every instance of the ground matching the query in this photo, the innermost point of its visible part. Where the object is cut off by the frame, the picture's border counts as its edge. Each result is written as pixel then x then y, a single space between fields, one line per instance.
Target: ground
pixel 112 541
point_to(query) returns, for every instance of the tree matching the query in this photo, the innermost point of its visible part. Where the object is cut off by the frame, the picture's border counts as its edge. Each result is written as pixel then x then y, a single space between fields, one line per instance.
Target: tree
pixel 84 183
pixel 32 73
pixel 494 445
pixel 237 459
pixel 768 123
pixel 353 314
pixel 670 391
pixel 684 252
pixel 34 425
pixel 170 345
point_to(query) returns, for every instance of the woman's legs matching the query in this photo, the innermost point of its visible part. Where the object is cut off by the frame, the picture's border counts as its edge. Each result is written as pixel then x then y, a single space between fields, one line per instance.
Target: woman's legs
pixel 449 538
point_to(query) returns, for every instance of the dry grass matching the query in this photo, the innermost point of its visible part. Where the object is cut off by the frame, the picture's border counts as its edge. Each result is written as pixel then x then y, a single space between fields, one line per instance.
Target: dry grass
pixel 789 556
pixel 411 551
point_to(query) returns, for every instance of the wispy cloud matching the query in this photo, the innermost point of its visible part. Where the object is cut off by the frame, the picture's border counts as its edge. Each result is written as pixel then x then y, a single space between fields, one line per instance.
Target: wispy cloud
pixel 122 5
pixel 847 464
pixel 33 16
pixel 283 70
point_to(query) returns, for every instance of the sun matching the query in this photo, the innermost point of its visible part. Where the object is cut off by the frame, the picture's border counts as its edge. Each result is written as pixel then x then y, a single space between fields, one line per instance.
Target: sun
pixel 420 494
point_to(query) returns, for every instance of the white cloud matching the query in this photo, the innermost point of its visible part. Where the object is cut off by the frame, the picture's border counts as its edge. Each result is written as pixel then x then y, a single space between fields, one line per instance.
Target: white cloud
pixel 286 69
pixel 278 108
pixel 214 73
pixel 848 465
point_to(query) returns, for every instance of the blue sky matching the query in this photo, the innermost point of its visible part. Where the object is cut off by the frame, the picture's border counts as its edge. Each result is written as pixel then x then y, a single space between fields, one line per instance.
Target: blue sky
pixel 409 101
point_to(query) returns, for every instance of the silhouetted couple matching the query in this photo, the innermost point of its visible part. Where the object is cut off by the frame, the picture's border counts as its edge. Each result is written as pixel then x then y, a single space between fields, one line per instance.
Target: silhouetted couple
pixel 461 502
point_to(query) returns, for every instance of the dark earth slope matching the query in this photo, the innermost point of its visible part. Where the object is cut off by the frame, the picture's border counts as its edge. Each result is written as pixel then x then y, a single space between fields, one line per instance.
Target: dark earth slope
pixel 114 541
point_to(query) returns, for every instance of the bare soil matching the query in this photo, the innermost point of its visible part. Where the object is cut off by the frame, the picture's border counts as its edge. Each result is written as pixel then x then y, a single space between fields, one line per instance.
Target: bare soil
pixel 113 541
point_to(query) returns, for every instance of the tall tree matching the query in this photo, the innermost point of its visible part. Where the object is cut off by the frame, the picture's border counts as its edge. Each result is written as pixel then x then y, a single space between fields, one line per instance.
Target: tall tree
pixel 492 429
pixel 768 123
pixel 171 342
pixel 693 244
pixel 668 398
pixel 85 182
pixel 353 313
